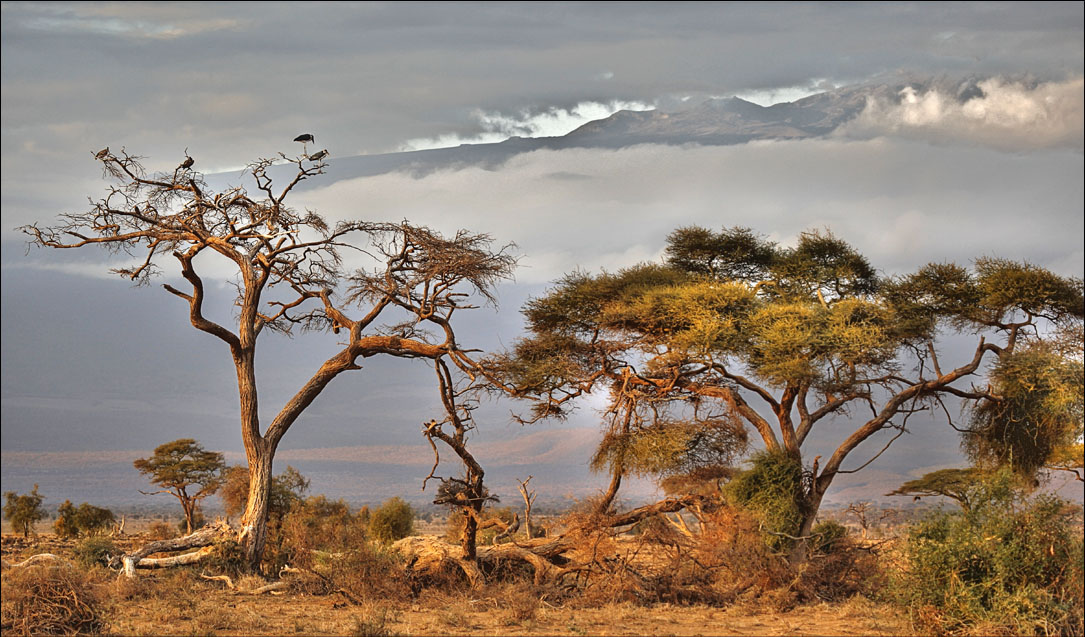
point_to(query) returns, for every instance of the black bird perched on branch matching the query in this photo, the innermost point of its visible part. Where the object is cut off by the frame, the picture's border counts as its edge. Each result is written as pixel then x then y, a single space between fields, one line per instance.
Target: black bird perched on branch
pixel 320 154
pixel 102 153
pixel 305 139
pixel 187 163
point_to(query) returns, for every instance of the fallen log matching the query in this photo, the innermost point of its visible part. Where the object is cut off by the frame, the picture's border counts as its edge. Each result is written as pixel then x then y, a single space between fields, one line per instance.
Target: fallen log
pixel 430 554
pixel 34 559
pixel 176 560
pixel 202 539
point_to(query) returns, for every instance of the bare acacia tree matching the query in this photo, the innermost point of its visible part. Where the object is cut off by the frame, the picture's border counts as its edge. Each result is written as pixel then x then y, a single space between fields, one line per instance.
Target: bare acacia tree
pixel 289 273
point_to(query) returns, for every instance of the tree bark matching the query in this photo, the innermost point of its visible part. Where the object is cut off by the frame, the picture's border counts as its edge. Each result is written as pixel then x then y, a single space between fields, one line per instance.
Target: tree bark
pixel 612 491
pixel 254 519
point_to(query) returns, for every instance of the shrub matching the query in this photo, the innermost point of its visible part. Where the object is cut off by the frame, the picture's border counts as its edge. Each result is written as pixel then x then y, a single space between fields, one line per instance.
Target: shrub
pixel 161 530
pixel 52 600
pixel 392 521
pixel 198 520
pixel 95 551
pixel 998 568
pixel 314 526
pixel 771 489
pixel 829 536
pixel 729 561
pixel 85 519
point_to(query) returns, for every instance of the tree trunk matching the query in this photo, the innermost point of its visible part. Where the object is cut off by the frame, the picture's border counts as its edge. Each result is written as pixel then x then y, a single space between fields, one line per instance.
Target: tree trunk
pixel 612 491
pixel 468 540
pixel 186 506
pixel 254 520
pixel 800 550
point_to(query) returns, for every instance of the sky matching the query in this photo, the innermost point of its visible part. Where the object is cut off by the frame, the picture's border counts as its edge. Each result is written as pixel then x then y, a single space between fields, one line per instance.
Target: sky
pixel 91 365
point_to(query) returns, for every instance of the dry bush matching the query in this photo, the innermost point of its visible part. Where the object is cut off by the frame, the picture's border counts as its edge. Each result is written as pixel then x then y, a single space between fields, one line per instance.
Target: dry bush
pixel 729 561
pixel 310 528
pixel 374 621
pixel 329 543
pixel 52 600
pixel 363 574
pixel 161 530
pixel 518 601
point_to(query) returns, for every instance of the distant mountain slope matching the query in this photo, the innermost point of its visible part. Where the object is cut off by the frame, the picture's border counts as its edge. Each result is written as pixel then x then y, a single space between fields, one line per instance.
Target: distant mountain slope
pixel 710 122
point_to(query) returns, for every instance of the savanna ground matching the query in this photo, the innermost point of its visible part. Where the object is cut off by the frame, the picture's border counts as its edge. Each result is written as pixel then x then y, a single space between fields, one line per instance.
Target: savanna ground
pixel 180 602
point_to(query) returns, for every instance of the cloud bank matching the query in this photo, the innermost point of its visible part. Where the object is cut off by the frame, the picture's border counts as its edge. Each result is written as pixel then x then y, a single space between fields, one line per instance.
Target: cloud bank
pixel 996 112
pixel 898 201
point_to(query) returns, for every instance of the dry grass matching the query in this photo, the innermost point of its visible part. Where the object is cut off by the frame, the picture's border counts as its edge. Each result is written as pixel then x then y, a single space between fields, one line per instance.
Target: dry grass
pixel 179 602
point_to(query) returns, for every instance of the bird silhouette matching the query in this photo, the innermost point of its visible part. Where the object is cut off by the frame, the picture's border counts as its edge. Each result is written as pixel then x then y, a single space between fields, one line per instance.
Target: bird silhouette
pixel 187 163
pixel 102 153
pixel 305 139
pixel 318 155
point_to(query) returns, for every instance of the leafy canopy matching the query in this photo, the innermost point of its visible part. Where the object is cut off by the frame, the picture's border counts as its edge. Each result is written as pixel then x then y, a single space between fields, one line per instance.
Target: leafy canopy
pixel 736 334
pixel 182 463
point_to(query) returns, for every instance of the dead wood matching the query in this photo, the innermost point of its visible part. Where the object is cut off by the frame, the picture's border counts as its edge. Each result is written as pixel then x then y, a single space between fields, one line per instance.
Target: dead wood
pixel 35 559
pixel 176 560
pixel 670 505
pixel 202 539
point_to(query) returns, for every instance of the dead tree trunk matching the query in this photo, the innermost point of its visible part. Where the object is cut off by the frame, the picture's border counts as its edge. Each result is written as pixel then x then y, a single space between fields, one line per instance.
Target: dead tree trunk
pixel 529 499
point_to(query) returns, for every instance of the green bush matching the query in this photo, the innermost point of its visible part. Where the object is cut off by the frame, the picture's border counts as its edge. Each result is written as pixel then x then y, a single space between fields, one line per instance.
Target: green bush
pixel 771 489
pixel 392 521
pixel 829 536
pixel 94 551
pixel 86 519
pixel 1003 567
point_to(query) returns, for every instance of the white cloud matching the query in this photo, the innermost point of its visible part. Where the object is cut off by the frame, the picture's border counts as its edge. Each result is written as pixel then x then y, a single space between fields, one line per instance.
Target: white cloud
pixel 1007 115
pixel 496 126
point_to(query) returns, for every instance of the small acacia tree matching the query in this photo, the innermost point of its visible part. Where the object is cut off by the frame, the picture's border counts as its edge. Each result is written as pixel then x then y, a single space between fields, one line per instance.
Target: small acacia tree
pixel 960 485
pixel 23 510
pixel 289 271
pixel 735 334
pixel 182 466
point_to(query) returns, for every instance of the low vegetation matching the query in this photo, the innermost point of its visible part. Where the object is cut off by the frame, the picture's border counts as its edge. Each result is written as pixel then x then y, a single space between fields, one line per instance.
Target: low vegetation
pixel 1000 567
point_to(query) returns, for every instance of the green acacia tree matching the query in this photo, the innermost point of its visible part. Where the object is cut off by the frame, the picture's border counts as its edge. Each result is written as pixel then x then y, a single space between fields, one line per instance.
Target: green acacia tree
pixel 736 335
pixel 961 485
pixel 23 510
pixel 185 470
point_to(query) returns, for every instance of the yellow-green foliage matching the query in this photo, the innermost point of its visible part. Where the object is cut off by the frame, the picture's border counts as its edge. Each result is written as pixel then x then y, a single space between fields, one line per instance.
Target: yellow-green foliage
pixel 672 447
pixel 1040 412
